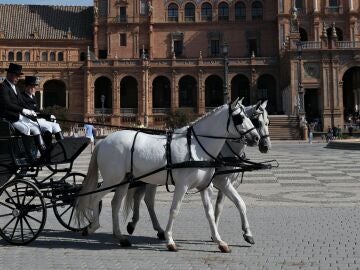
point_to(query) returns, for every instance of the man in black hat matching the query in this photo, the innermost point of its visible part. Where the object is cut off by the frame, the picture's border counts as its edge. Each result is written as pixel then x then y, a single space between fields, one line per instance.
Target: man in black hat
pixel 14 109
pixel 48 127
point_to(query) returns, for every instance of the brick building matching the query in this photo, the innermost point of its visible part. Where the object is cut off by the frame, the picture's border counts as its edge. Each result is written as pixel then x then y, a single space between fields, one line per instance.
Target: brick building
pixel 138 60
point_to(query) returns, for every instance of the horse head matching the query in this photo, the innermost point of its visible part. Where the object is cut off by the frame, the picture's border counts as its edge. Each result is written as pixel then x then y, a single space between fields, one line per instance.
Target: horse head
pixel 260 119
pixel 243 124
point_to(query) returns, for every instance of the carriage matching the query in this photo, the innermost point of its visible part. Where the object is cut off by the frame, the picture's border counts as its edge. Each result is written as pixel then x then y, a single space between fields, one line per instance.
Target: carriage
pixel 25 196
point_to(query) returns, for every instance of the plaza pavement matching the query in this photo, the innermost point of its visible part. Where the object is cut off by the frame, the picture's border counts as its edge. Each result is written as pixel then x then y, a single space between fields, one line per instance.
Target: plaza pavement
pixel 304 215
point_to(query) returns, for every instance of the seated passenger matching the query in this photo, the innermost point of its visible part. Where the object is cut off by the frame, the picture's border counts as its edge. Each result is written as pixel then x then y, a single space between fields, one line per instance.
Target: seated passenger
pixel 14 109
pixel 47 127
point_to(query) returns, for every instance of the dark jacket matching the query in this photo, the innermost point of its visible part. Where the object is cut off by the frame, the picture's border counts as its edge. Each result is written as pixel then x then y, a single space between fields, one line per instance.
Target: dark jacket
pixel 31 103
pixel 11 104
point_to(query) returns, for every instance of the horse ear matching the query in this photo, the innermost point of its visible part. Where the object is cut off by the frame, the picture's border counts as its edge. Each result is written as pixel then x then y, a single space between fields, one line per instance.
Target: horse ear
pixel 257 105
pixel 241 100
pixel 233 105
pixel 264 104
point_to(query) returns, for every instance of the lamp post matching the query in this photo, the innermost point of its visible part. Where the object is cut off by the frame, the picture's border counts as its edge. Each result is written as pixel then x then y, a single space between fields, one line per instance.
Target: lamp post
pixel 102 99
pixel 226 72
pixel 300 99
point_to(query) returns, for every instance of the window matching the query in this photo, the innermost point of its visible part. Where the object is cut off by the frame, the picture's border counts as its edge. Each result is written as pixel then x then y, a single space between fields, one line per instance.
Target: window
pixel 102 54
pixel 143 7
pixel 252 45
pixel 27 57
pixel 173 13
pixel 122 39
pixel 19 56
pixel 178 47
pixel 82 56
pixel 10 56
pixel 52 56
pixel 206 12
pixel 122 16
pixel 44 56
pixel 144 53
pixel 299 4
pixel 240 11
pixel 257 11
pixel 333 3
pixel 263 94
pixel 215 47
pixel 223 12
pixel 60 56
pixel 189 12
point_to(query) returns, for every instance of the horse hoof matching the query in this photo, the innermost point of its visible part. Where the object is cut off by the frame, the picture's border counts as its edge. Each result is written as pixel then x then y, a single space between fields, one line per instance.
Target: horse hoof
pixel 172 247
pixel 85 232
pixel 161 235
pixel 130 228
pixel 249 239
pixel 125 243
pixel 224 248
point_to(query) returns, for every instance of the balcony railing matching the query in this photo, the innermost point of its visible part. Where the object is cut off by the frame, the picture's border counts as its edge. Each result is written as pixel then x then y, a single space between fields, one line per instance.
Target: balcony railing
pixel 334 10
pixel 128 111
pixel 100 111
pixel 348 44
pixel 161 110
pixel 311 44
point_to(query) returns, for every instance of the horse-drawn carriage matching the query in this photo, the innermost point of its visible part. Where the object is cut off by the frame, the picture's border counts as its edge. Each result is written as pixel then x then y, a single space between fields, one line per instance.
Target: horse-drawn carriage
pixel 25 196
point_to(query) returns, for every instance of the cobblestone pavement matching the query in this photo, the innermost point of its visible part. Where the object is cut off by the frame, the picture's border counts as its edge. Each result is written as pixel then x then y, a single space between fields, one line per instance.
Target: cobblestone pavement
pixel 304 215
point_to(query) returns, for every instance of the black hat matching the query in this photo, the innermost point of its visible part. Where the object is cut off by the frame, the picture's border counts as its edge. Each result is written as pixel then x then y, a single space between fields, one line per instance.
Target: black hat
pixel 14 68
pixel 31 80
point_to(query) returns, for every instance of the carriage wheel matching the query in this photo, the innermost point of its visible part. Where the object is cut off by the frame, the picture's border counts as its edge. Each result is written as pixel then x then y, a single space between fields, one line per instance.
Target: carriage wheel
pixel 64 209
pixel 22 212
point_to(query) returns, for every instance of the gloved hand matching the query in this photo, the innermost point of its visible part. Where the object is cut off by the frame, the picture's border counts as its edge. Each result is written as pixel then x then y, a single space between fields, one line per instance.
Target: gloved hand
pixel 53 118
pixel 27 112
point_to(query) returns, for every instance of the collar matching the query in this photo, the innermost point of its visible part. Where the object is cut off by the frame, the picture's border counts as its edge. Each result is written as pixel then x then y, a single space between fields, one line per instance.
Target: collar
pixel 10 83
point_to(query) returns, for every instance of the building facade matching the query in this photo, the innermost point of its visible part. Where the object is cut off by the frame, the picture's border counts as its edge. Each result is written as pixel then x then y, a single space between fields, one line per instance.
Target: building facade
pixel 125 61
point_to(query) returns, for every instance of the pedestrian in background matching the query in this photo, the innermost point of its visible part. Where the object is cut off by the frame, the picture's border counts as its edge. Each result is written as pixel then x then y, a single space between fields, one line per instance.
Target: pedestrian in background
pixel 311 128
pixel 89 133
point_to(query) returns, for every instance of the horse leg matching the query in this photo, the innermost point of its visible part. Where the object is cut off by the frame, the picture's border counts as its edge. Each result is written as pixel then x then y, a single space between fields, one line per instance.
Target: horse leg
pixel 219 205
pixel 94 221
pixel 233 195
pixel 120 192
pixel 150 203
pixel 138 196
pixel 178 196
pixel 209 211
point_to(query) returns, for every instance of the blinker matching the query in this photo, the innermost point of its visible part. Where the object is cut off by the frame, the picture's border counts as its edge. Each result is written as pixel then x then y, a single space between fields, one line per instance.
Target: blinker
pixel 238 119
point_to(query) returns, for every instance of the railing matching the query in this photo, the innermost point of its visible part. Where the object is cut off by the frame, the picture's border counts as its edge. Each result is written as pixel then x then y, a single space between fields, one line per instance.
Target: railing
pixel 103 111
pixel 311 44
pixel 334 10
pixel 348 44
pixel 161 110
pixel 128 111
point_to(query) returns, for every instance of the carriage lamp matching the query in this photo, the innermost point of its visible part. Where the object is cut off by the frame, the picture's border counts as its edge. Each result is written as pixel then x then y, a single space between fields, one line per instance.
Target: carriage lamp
pixel 226 71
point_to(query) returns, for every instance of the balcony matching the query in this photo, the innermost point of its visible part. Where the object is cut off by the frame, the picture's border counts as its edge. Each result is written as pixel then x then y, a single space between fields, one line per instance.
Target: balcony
pixel 348 44
pixel 161 110
pixel 100 111
pixel 128 111
pixel 334 10
pixel 311 45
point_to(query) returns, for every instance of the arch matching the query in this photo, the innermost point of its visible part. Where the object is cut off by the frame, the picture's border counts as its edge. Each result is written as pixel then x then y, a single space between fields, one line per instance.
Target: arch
pixel 103 89
pixel 240 11
pixel 266 89
pixel 189 12
pixel 173 12
pixel 206 12
pixel 223 11
pixel 161 92
pixel 44 56
pixel 129 93
pixel 339 34
pixel 82 56
pixel 60 56
pixel 19 56
pixel 27 56
pixel 188 92
pixel 256 10
pixel 11 56
pixel 54 93
pixel 52 56
pixel 240 87
pixel 213 91
pixel 351 91
pixel 303 34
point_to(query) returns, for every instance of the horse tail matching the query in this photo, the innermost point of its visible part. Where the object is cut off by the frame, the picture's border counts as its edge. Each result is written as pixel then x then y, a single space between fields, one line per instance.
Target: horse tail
pixel 129 201
pixel 83 211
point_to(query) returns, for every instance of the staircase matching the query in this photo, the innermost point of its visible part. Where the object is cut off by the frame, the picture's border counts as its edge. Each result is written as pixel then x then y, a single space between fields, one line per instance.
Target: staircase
pixel 284 127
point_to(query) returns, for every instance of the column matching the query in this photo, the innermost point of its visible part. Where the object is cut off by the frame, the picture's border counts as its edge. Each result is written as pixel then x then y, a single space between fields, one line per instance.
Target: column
pixel 67 99
pixel 116 94
pixel 174 92
pixel 316 7
pixel 201 94
pixel 351 5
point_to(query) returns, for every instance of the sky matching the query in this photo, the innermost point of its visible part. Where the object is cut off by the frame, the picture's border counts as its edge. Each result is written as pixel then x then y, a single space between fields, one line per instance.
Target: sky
pixel 50 2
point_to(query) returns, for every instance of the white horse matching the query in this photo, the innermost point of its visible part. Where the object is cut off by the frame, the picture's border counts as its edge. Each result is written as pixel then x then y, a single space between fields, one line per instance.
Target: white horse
pixel 224 183
pixel 126 154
